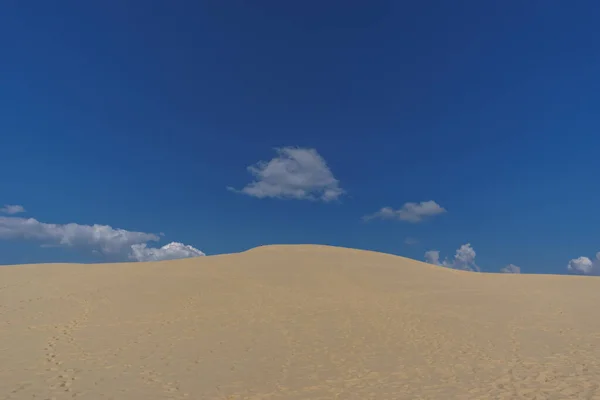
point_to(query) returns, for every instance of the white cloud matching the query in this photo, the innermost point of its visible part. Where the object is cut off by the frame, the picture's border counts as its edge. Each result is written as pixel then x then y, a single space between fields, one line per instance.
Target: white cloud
pixel 585 266
pixel 432 257
pixel 12 209
pixel 410 241
pixel 511 269
pixel 296 173
pixel 410 212
pixel 463 259
pixel 102 239
pixel 171 251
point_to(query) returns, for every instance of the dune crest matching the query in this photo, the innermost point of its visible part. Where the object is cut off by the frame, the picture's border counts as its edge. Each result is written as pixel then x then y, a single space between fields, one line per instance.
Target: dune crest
pixel 295 322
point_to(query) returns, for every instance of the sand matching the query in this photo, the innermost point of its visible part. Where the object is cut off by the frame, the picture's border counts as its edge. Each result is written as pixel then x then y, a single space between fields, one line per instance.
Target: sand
pixel 295 322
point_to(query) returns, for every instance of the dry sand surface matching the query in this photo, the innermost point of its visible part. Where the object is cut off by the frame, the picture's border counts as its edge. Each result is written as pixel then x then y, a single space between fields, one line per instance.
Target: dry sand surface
pixel 295 322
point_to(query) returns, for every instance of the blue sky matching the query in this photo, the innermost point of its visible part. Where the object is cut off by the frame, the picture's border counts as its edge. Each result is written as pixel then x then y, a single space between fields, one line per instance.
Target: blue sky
pixel 139 115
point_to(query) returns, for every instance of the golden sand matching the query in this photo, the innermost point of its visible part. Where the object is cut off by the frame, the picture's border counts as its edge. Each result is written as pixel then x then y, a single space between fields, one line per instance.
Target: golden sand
pixel 295 322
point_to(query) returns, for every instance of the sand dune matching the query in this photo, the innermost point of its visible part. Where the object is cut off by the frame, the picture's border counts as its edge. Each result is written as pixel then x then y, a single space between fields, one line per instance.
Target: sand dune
pixel 295 322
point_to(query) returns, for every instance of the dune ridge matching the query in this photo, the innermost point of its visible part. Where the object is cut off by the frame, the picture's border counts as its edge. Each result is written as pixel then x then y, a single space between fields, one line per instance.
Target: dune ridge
pixel 295 322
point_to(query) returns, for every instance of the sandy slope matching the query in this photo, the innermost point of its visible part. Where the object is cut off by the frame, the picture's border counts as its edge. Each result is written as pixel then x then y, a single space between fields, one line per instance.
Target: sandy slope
pixel 295 322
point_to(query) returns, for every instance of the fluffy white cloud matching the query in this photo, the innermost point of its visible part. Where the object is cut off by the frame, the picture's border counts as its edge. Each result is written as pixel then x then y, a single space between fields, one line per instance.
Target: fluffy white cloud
pixel 102 239
pixel 463 259
pixel 409 212
pixel 296 173
pixel 585 266
pixel 171 251
pixel 12 209
pixel 511 269
pixel 432 257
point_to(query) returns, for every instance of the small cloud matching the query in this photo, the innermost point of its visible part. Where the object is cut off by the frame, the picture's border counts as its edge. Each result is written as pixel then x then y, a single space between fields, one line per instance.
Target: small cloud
pixel 432 257
pixel 511 269
pixel 296 173
pixel 463 259
pixel 12 209
pixel 410 241
pixel 171 251
pixel 52 246
pixel 585 266
pixel 409 212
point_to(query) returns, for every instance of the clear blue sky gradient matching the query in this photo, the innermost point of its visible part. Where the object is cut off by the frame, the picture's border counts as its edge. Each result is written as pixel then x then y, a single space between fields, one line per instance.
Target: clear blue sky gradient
pixel 139 114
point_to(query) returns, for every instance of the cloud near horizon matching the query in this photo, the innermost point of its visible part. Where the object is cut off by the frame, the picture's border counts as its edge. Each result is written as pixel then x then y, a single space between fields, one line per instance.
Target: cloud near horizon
pixel 511 269
pixel 296 173
pixel 585 265
pixel 409 212
pixel 12 209
pixel 102 239
pixel 171 251
pixel 464 259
